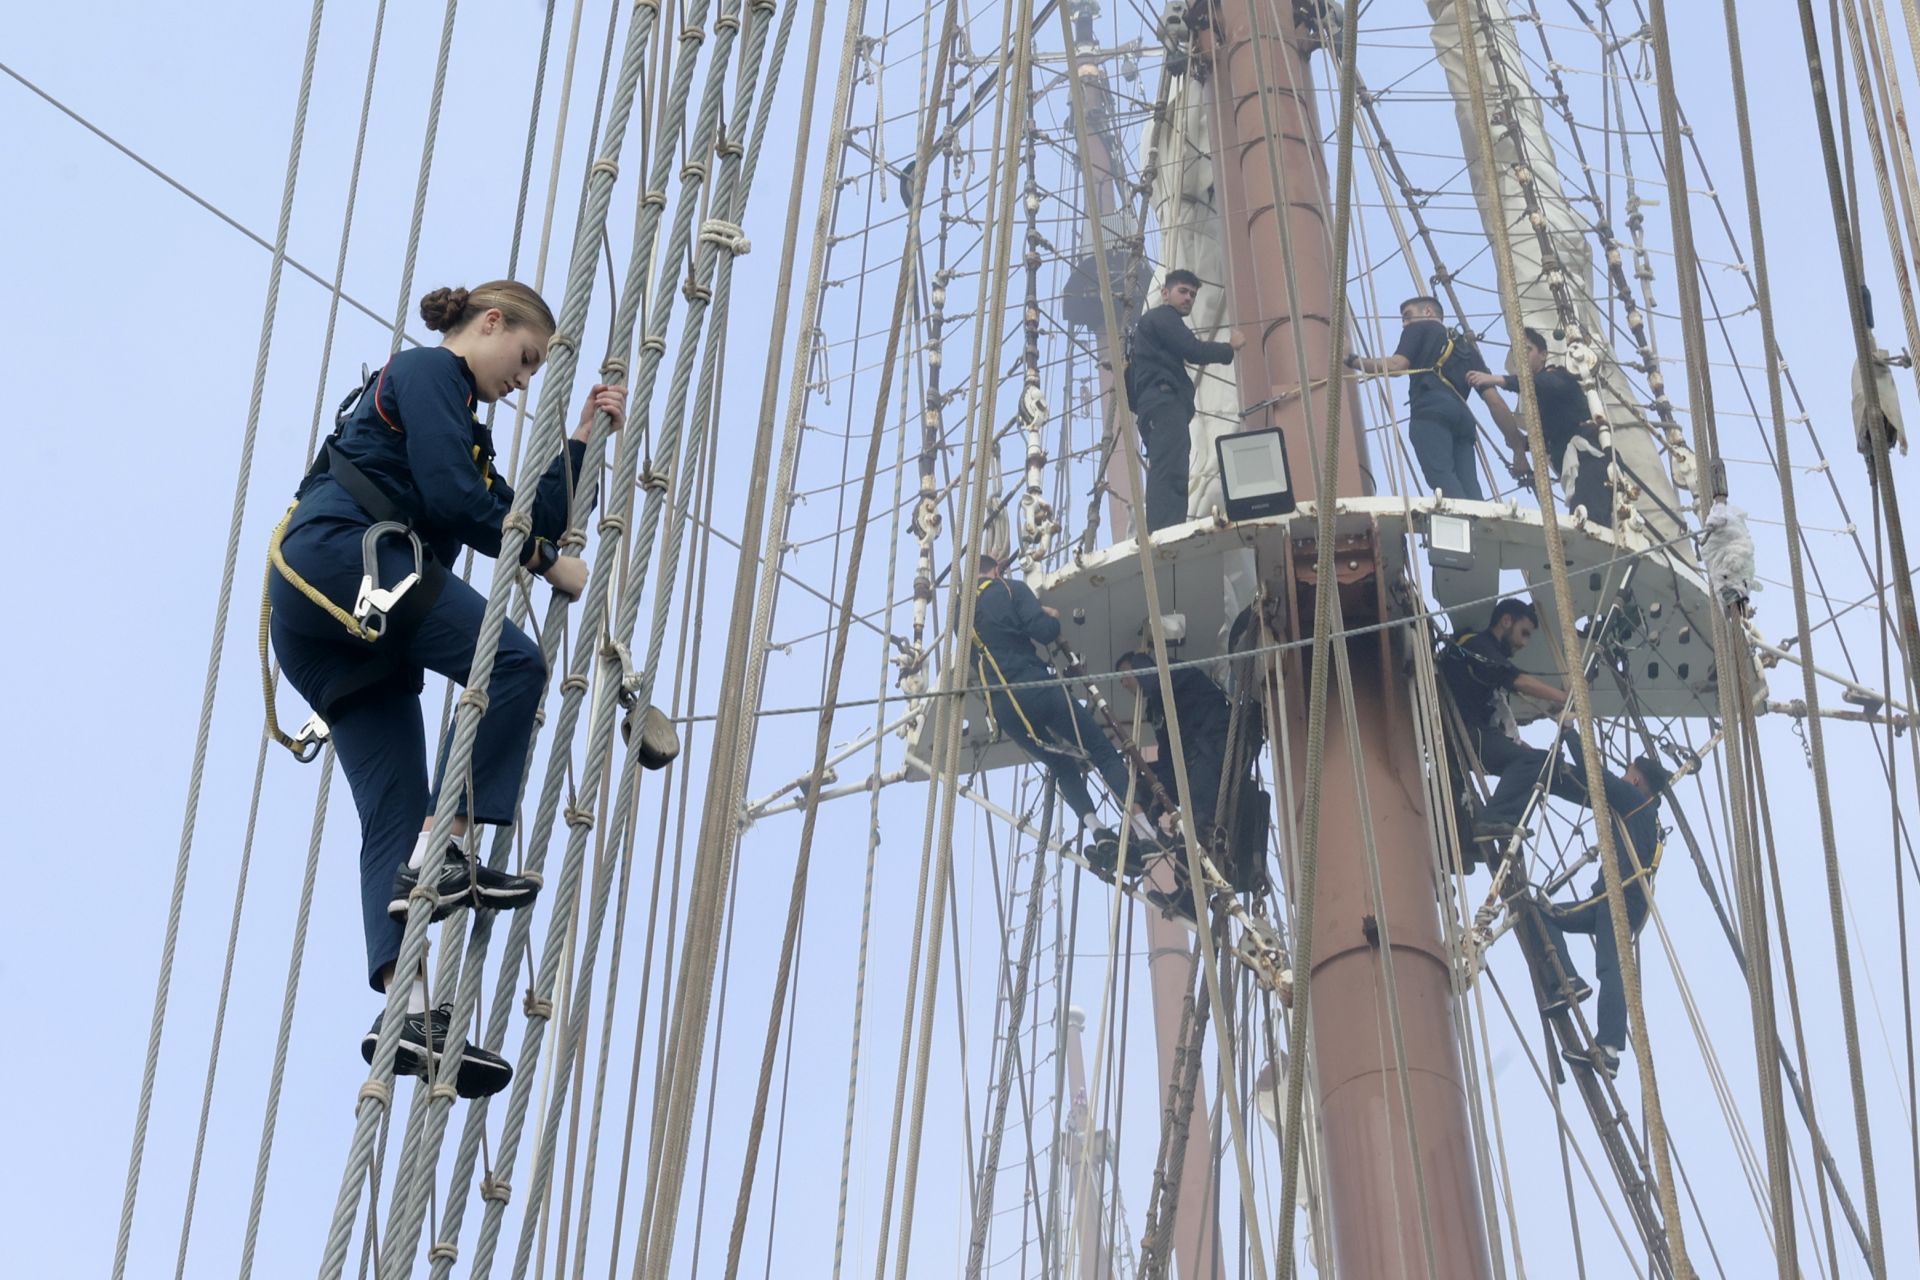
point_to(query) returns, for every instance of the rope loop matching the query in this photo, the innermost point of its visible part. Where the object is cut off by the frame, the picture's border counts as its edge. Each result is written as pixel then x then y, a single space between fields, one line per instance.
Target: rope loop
pixel 375 1091
pixel 603 165
pixel 495 1190
pixel 475 698
pixel 573 540
pixel 727 235
pixel 537 1006
pixel 614 368
pixel 654 344
pixel 654 199
pixel 728 22
pixel 561 340
pixel 613 526
pixel 579 818
pixel 655 481
pixel 694 37
pixel 444 1251
pixel 443 1091
pixel 693 169
pixel 574 683
pixel 520 522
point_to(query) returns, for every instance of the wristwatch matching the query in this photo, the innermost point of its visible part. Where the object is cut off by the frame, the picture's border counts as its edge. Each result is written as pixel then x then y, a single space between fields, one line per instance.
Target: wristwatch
pixel 542 557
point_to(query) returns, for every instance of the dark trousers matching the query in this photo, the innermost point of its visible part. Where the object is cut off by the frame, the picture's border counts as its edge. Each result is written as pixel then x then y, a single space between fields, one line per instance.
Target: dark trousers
pixel 1166 434
pixel 1592 918
pixel 1518 766
pixel 380 737
pixel 1442 432
pixel 1062 735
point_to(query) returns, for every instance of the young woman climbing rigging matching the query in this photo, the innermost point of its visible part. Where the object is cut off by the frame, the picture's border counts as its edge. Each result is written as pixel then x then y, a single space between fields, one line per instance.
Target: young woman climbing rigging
pixel 405 482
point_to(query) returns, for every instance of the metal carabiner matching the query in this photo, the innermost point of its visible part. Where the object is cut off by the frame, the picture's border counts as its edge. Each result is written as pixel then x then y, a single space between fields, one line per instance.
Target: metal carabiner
pixel 374 603
pixel 313 736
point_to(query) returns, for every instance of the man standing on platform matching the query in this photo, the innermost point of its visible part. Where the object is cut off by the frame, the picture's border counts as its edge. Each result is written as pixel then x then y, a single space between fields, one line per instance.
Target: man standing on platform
pixel 1440 422
pixel 1566 423
pixel 1159 349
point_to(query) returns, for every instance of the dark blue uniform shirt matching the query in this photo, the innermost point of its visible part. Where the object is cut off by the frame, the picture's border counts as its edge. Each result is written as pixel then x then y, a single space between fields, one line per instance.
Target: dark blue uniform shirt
pixel 1007 623
pixel 415 438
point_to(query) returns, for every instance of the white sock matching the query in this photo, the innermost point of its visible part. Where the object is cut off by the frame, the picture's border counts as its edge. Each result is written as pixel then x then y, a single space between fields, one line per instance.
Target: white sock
pixel 419 857
pixel 417 995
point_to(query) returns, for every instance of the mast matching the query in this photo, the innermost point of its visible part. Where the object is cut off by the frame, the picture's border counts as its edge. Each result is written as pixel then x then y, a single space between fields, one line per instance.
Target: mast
pixel 1269 158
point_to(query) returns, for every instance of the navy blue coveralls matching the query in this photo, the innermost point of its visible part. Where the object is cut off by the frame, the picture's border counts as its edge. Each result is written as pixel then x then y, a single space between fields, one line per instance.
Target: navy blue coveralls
pixel 1159 349
pixel 415 437
pixel 1440 426
pixel 1050 725
pixel 1206 718
pixel 1476 666
pixel 1636 814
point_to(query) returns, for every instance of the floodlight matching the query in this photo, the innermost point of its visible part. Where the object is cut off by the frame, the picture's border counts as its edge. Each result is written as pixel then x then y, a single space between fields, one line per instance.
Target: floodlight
pixel 1253 473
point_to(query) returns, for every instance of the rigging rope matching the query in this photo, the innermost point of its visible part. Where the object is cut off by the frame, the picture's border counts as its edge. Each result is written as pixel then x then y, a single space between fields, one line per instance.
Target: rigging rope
pixel 1581 696
pixel 203 733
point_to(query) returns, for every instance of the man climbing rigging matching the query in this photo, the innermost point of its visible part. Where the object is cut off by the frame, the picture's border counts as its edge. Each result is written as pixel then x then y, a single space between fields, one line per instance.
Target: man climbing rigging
pixel 1634 799
pixel 1479 670
pixel 405 482
pixel 1566 423
pixel 1206 718
pixel 1160 390
pixel 1440 424
pixel 1050 726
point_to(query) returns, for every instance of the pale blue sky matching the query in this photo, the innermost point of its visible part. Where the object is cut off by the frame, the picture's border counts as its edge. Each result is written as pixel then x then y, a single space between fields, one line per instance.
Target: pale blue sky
pixel 135 320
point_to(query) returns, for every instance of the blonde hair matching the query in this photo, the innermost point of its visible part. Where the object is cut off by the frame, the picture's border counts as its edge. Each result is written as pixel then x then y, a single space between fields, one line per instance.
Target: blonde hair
pixel 449 310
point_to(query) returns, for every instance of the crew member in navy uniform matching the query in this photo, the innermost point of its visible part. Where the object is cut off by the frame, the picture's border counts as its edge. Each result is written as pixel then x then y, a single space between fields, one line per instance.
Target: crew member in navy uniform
pixel 410 460
pixel 1206 723
pixel 1159 349
pixel 1566 426
pixel 1635 802
pixel 1440 423
pixel 1008 621
pixel 1480 672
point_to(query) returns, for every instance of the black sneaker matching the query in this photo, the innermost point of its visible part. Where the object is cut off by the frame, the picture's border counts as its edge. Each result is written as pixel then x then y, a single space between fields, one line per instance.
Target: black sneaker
pixel 1102 853
pixel 480 1074
pixel 463 883
pixel 1577 985
pixel 1177 905
pixel 1603 1058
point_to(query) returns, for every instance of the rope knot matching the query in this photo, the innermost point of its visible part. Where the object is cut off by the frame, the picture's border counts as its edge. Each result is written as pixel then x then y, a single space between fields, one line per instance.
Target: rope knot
pixel 603 165
pixel 475 698
pixel 520 522
pixel 654 481
pixel 693 169
pixel 562 341
pixel 573 540
pixel 615 370
pixel 580 818
pixel 727 235
pixel 613 527
pixel 727 22
pixel 574 683
pixel 495 1190
pixel 375 1091
pixel 537 1006
pixel 443 1091
pixel 694 37
pixel 444 1251
pixel 654 199
pixel 693 291
pixel 655 343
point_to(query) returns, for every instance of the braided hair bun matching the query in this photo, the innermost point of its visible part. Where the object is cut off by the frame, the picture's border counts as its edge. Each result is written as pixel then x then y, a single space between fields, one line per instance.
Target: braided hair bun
pixel 444 309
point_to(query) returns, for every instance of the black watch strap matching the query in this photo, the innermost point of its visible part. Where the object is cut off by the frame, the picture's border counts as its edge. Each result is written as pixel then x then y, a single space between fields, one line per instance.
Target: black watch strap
pixel 542 557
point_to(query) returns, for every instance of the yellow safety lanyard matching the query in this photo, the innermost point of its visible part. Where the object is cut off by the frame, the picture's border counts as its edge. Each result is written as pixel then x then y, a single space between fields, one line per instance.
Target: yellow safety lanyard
pixel 306 744
pixel 984 656
pixel 1446 354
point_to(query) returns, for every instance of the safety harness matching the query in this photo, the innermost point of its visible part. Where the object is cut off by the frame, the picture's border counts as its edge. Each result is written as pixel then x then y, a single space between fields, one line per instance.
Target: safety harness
pixel 382 618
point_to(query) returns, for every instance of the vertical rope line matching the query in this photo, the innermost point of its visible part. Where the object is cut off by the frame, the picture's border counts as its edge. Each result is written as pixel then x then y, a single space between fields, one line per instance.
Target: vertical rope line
pixel 1128 432
pixel 1570 643
pixel 177 899
pixel 405 304
pixel 548 433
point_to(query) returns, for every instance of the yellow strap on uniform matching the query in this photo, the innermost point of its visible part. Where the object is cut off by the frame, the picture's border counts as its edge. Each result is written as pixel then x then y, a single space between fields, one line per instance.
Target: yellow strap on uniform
pixel 979 663
pixel 1639 873
pixel 276 563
